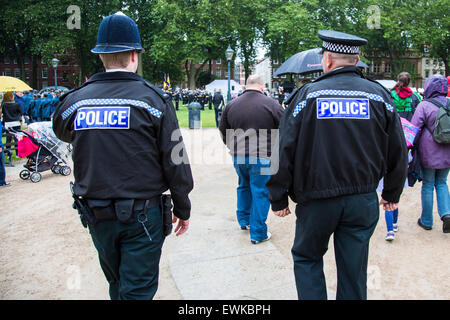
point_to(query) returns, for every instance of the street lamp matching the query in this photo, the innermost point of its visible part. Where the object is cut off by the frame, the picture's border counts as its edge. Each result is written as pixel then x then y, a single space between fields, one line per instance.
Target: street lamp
pixel 229 55
pixel 55 65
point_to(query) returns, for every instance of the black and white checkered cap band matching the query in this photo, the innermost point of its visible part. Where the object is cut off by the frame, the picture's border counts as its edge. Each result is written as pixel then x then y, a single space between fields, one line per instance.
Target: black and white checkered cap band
pixel 340 48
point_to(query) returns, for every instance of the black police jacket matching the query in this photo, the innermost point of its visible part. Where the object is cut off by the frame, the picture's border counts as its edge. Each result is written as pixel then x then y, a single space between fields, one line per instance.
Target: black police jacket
pixel 123 135
pixel 340 135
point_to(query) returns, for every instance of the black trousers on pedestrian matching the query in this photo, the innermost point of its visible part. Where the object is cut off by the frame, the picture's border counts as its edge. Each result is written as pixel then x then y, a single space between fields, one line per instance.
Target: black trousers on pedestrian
pixel 352 220
pixel 217 114
pixel 128 258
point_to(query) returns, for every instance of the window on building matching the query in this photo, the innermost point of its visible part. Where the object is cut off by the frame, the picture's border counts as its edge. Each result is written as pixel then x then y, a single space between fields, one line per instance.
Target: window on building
pixel 275 61
pixel 6 60
pixel 376 68
pixel 17 73
pixel 7 72
pixel 43 61
pixel 226 74
pixel 219 73
pixel 15 60
pixel 387 67
pixel 65 77
pixel 27 74
pixel 218 61
pixel 26 60
pixel 427 73
pixel 427 62
pixel 44 73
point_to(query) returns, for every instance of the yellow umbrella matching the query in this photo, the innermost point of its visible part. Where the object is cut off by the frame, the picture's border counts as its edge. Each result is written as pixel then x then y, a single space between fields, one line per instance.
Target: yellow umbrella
pixel 12 84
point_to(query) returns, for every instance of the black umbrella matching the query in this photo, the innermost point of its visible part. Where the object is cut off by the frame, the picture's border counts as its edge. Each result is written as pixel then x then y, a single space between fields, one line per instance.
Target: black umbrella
pixel 305 62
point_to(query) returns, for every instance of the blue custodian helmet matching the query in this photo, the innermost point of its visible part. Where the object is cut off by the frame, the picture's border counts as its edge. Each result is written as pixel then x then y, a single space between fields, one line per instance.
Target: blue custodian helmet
pixel 118 33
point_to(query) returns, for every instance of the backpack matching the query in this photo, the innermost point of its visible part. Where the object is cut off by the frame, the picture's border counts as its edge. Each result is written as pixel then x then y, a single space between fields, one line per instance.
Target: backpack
pixel 441 132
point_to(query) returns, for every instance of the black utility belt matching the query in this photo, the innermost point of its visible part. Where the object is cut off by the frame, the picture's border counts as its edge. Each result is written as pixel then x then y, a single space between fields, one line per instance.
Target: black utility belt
pixel 123 210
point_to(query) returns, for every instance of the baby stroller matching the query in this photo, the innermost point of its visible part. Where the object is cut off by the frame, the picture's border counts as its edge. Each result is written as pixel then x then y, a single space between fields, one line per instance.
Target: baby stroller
pixel 43 150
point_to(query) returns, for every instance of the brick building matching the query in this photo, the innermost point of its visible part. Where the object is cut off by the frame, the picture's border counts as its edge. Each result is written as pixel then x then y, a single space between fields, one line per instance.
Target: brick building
pixel 66 72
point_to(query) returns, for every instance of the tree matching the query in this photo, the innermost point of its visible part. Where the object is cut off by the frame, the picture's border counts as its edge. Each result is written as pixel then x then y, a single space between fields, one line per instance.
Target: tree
pixel 290 27
pixel 430 29
pixel 192 33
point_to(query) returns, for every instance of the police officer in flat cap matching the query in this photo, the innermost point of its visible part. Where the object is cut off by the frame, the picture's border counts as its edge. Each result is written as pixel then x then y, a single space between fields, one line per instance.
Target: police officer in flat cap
pixel 121 128
pixel 339 136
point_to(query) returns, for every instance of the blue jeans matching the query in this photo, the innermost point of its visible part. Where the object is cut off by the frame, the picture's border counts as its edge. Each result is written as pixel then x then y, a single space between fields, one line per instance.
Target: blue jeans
pixel 252 195
pixel 391 219
pixel 434 178
pixel 2 167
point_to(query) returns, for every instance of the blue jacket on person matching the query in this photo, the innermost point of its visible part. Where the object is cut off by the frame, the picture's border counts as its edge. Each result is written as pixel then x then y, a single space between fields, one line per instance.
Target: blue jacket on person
pixel 54 103
pixel 20 101
pixel 35 108
pixel 46 108
pixel 27 99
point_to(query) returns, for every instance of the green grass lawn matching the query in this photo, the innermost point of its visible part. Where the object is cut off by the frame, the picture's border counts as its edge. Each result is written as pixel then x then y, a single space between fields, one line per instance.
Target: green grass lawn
pixel 207 117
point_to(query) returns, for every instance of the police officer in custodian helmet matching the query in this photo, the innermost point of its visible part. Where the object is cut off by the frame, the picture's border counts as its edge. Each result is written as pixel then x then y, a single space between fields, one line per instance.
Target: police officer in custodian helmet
pixel 339 136
pixel 121 129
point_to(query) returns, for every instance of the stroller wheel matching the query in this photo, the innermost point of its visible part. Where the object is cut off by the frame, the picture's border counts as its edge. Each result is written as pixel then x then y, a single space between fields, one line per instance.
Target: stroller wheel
pixel 35 177
pixel 24 174
pixel 65 170
pixel 56 169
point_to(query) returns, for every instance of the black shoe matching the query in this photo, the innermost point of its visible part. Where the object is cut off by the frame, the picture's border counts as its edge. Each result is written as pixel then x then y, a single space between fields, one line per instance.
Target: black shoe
pixel 6 184
pixel 419 222
pixel 446 223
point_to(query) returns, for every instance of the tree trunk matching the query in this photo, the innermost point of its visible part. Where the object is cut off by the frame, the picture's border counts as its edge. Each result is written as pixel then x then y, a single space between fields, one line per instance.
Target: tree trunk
pixel 34 72
pixel 190 74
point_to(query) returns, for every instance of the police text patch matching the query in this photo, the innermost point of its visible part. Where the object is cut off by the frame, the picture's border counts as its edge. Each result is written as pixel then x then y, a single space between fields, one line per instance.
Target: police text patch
pixel 102 118
pixel 343 108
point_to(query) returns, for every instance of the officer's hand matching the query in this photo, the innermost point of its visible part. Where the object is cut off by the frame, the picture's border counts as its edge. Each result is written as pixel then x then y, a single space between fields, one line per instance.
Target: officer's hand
pixel 388 206
pixel 282 213
pixel 182 227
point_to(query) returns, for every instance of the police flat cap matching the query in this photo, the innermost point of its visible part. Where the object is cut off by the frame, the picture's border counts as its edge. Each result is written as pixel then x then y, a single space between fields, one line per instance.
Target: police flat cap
pixel 340 42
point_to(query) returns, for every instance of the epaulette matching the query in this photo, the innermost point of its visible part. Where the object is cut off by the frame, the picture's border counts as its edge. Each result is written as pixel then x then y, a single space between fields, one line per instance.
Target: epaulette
pixel 164 96
pixel 374 81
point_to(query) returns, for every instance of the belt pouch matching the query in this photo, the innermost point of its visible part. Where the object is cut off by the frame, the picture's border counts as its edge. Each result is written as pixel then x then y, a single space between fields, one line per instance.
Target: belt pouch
pixel 102 209
pixel 124 210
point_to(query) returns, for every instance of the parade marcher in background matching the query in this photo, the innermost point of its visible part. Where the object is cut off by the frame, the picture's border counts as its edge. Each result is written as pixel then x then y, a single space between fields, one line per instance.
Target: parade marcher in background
pixel 340 135
pixel 280 95
pixel 35 108
pixel 46 107
pixel 27 97
pixel 54 104
pixel 245 116
pixel 18 97
pixel 405 99
pixel 122 170
pixel 218 102
pixel 177 97
pixel 434 157
pixel 11 118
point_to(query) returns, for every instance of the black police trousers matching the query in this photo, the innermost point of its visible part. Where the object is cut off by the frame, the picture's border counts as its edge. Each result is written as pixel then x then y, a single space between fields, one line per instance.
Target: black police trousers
pixel 352 220
pixel 128 258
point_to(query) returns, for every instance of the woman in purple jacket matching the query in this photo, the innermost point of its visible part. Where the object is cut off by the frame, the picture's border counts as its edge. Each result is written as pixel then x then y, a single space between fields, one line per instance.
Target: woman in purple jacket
pixel 435 157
